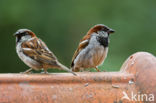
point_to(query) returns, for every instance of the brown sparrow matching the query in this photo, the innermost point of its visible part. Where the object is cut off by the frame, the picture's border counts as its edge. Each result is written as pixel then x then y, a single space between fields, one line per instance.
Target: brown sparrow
pixel 92 49
pixel 34 52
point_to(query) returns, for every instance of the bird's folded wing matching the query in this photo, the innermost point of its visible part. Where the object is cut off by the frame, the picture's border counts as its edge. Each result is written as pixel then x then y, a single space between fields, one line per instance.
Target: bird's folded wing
pixel 81 46
pixel 37 50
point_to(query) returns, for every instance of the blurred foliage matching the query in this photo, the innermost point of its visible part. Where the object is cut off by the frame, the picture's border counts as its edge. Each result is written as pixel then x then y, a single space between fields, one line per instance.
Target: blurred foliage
pixel 61 24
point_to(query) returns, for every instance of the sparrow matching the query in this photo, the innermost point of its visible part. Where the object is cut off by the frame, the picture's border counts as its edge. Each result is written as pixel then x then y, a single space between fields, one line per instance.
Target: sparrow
pixel 35 53
pixel 92 49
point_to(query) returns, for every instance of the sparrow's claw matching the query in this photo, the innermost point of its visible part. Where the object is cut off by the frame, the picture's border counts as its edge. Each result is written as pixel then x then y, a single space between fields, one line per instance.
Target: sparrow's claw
pixel 45 71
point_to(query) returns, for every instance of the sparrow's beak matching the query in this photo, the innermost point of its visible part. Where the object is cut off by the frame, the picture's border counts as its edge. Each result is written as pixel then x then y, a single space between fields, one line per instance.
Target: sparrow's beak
pixel 15 34
pixel 111 31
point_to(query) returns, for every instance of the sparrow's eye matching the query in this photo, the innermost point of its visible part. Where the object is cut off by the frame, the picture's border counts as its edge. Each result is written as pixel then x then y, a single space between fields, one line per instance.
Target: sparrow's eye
pixel 104 29
pixel 23 34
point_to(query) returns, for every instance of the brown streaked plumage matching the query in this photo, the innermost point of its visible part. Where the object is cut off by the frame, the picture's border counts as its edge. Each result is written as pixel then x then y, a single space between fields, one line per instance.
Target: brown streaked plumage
pixel 89 52
pixel 35 53
pixel 39 53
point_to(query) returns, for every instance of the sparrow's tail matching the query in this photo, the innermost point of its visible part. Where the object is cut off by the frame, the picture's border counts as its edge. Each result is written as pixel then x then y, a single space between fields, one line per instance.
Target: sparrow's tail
pixel 66 69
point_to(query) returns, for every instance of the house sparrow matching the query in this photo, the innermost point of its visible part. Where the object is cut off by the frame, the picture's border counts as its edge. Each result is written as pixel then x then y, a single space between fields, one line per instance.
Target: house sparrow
pixel 34 52
pixel 92 49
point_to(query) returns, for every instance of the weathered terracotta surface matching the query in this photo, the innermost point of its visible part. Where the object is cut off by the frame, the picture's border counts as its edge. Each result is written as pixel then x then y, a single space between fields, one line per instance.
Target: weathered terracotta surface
pixel 136 75
pixel 143 66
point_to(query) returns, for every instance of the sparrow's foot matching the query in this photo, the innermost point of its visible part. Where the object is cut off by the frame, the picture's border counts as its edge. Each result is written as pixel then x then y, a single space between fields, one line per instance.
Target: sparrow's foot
pixel 27 71
pixel 45 71
pixel 97 69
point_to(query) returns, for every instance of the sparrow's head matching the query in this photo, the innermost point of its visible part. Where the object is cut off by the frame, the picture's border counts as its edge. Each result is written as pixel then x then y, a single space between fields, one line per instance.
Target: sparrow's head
pixel 23 35
pixel 101 30
pixel 102 34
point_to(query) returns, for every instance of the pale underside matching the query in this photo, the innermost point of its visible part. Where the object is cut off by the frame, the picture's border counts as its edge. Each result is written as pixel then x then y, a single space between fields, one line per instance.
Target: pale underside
pixel 91 56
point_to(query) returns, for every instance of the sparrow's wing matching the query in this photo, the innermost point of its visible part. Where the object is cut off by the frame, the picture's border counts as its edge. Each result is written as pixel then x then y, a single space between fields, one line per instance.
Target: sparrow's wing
pixel 82 45
pixel 37 50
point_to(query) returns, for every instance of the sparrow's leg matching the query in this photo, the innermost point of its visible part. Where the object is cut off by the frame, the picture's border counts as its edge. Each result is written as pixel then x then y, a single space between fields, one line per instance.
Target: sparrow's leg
pixel 27 71
pixel 97 69
pixel 81 69
pixel 45 71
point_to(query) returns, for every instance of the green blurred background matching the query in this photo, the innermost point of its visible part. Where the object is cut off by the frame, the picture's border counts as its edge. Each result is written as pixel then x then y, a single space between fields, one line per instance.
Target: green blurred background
pixel 61 24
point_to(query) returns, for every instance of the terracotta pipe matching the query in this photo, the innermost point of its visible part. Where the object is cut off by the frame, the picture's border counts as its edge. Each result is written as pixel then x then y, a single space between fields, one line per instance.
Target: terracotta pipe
pixel 136 76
